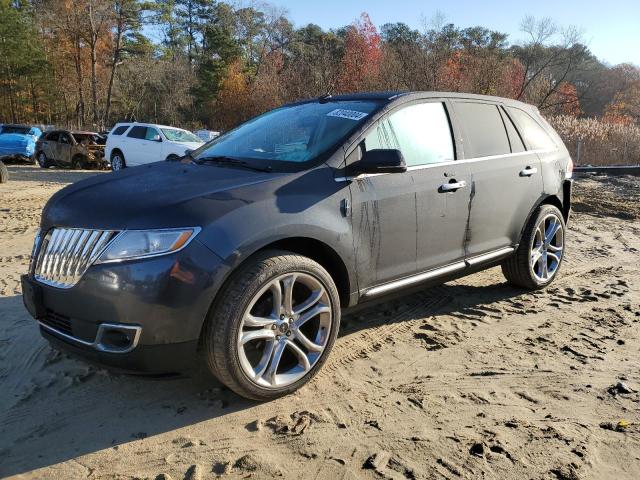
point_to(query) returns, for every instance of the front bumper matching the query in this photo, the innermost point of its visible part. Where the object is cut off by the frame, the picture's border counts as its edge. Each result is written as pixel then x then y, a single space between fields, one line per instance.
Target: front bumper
pixel 161 301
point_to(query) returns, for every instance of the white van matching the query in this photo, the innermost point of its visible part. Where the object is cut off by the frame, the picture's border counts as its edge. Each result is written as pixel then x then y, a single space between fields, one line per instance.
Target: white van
pixel 131 144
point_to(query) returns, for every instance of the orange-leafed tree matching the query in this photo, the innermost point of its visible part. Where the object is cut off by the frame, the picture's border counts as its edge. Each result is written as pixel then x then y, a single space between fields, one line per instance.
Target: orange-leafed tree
pixel 565 100
pixel 362 56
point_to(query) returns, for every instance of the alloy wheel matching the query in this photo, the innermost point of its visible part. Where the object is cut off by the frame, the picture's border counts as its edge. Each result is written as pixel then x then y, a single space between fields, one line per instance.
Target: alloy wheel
pixel 116 163
pixel 42 159
pixel 284 330
pixel 547 248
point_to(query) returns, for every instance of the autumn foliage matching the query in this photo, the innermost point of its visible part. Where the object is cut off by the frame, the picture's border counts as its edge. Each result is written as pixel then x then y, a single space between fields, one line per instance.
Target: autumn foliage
pixel 192 63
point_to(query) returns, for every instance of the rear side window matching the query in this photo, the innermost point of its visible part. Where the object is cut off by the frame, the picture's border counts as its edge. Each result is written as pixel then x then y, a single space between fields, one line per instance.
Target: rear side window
pixel 534 135
pixel 421 132
pixel 137 132
pixel 120 130
pixel 483 131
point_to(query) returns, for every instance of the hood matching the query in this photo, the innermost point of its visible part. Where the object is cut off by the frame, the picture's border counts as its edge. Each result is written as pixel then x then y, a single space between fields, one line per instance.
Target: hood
pixel 191 145
pixel 158 195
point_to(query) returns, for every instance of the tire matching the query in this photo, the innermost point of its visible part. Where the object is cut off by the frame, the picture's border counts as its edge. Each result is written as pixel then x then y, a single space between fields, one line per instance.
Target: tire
pixel 117 161
pixel 539 248
pixel 248 368
pixel 78 162
pixel 4 173
pixel 42 160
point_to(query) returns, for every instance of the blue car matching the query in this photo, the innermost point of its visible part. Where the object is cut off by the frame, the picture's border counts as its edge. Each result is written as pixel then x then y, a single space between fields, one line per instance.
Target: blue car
pixel 18 141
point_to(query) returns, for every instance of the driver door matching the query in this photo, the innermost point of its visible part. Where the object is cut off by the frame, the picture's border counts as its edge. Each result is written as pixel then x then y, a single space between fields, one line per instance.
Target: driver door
pixel 63 150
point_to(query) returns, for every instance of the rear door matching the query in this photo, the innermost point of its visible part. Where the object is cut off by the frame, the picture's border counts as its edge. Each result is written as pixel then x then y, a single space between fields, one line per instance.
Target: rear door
pixel 133 146
pixel 506 178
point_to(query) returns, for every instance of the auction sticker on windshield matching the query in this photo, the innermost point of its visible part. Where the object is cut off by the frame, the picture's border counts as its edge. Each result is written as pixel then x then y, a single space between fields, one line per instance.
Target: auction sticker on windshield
pixel 350 114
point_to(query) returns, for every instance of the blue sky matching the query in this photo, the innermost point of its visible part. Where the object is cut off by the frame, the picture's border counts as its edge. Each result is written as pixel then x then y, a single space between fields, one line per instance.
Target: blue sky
pixel 611 27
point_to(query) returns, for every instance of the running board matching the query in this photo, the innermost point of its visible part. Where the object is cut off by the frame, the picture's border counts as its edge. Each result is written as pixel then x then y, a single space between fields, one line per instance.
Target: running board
pixel 438 272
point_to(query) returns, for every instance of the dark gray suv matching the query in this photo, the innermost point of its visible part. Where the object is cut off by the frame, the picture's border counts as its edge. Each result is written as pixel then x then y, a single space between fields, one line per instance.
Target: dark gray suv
pixel 246 250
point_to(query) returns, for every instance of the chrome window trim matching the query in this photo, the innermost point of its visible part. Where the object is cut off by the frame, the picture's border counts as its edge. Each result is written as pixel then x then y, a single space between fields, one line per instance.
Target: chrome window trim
pixel 447 163
pixel 96 344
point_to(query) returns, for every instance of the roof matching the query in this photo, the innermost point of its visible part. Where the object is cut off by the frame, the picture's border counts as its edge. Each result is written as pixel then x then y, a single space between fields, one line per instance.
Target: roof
pixel 389 96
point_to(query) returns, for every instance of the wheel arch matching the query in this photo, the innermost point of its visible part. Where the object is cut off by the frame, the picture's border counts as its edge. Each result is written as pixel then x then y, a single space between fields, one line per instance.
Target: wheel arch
pixel 114 151
pixel 545 200
pixel 312 248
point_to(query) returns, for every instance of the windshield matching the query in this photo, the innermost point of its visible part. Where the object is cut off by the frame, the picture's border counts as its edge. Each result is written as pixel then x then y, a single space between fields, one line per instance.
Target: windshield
pixel 16 129
pixel 88 137
pixel 297 133
pixel 181 136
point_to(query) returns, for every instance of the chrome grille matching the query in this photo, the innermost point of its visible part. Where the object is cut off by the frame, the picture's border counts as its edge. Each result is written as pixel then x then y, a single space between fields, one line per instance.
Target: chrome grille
pixel 66 253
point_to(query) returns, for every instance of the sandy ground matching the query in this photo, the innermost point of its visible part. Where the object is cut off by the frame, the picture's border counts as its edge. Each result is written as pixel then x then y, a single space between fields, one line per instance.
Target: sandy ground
pixel 473 379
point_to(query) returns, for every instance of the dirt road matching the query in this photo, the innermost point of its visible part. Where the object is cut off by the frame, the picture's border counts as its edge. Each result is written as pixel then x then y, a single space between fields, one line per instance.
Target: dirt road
pixel 473 379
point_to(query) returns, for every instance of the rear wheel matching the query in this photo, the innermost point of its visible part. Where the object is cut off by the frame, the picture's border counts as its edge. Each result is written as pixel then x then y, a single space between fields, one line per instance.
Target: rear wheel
pixel 273 327
pixel 539 256
pixel 117 161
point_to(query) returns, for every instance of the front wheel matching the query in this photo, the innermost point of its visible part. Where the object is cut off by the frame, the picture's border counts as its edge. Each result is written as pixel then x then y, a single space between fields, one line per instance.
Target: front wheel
pixel 273 326
pixel 42 160
pixel 117 162
pixel 538 258
pixel 78 162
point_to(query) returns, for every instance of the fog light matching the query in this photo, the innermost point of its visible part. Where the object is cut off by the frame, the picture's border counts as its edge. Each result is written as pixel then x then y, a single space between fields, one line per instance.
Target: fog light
pixel 117 338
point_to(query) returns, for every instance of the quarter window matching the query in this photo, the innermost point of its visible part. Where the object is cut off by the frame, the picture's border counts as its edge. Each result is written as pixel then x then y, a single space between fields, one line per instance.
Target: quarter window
pixel 484 133
pixel 534 135
pixel 421 132
pixel 137 132
pixel 514 138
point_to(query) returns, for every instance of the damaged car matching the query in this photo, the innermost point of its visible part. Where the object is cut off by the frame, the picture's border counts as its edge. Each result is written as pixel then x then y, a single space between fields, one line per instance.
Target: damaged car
pixel 75 149
pixel 243 254
pixel 18 142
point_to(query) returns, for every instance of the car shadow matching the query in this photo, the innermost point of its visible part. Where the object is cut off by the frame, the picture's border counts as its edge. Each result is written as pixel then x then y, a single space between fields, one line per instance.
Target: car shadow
pixel 54 407
pixel 62 176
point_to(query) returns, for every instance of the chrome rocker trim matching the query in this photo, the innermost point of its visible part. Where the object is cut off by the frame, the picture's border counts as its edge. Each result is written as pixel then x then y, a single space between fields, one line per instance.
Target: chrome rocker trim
pixel 438 272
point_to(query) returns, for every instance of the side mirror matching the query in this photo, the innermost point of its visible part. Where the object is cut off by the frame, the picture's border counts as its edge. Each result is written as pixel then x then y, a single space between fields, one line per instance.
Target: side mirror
pixel 156 138
pixel 379 161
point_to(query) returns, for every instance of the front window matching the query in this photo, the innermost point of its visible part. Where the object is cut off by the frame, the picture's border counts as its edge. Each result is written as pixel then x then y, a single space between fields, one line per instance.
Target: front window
pixel 180 136
pixel 292 134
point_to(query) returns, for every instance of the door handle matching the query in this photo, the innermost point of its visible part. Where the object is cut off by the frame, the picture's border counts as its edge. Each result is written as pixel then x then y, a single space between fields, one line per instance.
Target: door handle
pixel 527 172
pixel 452 187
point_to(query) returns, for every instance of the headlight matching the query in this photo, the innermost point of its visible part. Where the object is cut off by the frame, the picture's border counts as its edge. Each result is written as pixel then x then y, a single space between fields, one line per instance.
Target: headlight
pixel 132 244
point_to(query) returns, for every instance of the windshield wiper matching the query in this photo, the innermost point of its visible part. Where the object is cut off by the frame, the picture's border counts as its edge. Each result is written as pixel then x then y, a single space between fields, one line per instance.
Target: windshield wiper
pixel 232 162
